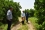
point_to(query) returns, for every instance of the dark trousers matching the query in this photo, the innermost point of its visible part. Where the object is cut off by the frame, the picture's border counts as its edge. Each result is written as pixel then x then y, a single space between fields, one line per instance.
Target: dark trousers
pixel 26 19
pixel 22 22
pixel 9 25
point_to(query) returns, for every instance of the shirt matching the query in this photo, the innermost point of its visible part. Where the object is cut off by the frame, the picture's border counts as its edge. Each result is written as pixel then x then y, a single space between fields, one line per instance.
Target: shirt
pixel 27 14
pixel 9 14
pixel 22 14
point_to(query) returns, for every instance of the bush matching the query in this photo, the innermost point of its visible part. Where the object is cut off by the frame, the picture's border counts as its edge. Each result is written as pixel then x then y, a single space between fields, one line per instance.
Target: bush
pixel 4 6
pixel 0 23
pixel 43 26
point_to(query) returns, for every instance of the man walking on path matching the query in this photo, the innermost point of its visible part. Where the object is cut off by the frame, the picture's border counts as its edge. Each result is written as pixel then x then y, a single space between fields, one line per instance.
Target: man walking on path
pixel 9 18
pixel 23 17
pixel 27 16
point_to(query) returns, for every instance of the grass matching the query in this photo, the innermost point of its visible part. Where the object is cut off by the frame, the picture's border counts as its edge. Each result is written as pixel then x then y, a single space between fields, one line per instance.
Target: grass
pixel 24 27
pixel 33 21
pixel 3 27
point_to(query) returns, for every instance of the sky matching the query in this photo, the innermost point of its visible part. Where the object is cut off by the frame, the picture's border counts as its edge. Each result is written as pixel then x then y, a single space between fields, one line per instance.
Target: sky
pixel 26 4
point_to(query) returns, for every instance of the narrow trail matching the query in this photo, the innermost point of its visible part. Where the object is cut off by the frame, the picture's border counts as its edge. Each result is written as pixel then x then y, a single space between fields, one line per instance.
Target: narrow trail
pixel 17 26
pixel 30 26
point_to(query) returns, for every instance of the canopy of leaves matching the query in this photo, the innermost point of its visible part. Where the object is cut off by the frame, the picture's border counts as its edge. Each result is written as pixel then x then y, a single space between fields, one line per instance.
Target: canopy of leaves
pixel 30 11
pixel 39 6
pixel 4 6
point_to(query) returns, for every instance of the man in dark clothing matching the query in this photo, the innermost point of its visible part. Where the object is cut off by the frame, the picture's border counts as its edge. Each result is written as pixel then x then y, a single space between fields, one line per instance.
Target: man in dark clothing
pixel 27 17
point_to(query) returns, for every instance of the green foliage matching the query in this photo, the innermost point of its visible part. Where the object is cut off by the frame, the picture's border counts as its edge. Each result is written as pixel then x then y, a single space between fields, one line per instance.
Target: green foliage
pixel 0 23
pixel 43 26
pixel 4 6
pixel 27 10
pixel 30 11
pixel 39 6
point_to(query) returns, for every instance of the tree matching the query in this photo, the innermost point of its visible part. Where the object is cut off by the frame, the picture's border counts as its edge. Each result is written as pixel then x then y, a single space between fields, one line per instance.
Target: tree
pixel 30 11
pixel 39 6
pixel 4 6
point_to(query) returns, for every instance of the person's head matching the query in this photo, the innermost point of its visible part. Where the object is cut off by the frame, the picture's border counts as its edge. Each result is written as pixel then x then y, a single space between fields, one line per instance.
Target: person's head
pixel 23 11
pixel 11 8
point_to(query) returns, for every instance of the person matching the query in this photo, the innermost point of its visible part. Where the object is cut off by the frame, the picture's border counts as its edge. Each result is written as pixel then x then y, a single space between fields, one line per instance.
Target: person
pixel 27 17
pixel 9 18
pixel 23 17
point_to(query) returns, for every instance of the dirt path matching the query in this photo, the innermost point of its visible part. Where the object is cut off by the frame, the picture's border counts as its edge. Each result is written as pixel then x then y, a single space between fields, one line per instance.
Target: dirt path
pixel 17 26
pixel 30 26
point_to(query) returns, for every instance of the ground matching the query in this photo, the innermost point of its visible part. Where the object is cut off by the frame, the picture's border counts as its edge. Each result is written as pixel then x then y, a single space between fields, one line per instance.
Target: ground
pixel 24 27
